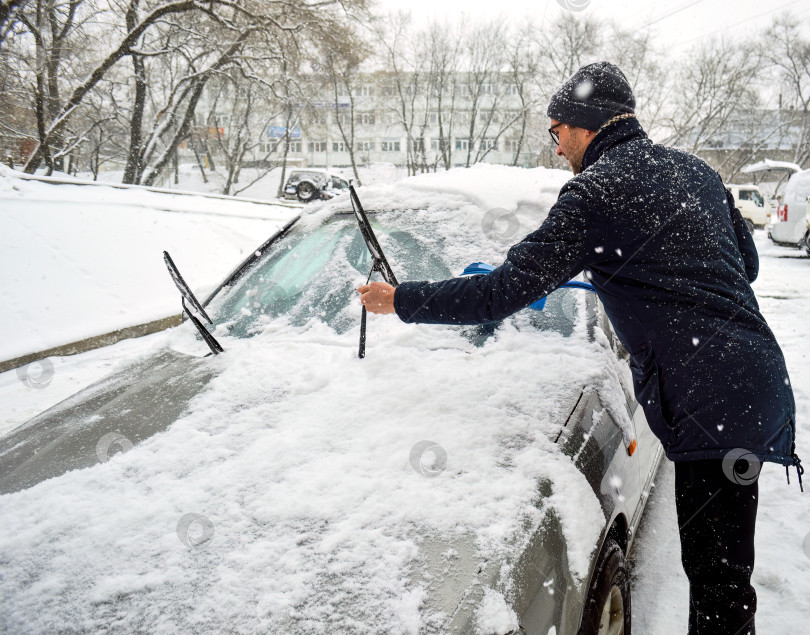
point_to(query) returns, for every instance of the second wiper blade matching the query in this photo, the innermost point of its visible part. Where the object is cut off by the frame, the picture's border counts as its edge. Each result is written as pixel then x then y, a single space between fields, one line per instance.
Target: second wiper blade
pixel 377 255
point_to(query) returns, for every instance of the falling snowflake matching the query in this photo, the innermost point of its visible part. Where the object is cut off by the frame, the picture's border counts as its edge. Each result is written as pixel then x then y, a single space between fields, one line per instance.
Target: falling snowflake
pixel 584 89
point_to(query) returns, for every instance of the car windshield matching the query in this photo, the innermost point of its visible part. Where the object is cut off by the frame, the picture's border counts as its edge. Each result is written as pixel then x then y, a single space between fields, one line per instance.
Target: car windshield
pixel 312 274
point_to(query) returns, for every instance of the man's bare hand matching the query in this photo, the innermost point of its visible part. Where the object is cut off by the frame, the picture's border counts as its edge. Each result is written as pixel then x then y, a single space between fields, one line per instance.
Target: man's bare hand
pixel 377 297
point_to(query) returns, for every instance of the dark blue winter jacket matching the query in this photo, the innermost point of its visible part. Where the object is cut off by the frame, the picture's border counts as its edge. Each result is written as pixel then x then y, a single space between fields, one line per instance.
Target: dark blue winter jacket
pixel 658 235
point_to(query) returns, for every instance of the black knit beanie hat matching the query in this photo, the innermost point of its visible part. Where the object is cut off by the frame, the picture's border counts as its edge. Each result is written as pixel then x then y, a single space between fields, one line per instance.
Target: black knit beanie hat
pixel 592 96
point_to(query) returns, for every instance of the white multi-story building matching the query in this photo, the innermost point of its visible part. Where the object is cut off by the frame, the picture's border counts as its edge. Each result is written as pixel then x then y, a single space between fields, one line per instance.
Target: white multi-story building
pixel 472 122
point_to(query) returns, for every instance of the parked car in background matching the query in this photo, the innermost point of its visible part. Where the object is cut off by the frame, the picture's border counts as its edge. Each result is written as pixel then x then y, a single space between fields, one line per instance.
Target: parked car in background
pixel 789 227
pixel 456 480
pixel 752 205
pixel 313 184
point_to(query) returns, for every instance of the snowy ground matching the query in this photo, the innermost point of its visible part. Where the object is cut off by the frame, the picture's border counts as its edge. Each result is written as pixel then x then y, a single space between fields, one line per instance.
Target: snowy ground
pixel 782 571
pixel 83 260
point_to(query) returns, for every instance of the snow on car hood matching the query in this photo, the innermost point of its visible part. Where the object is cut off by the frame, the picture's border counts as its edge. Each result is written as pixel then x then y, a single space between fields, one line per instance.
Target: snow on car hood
pixel 298 455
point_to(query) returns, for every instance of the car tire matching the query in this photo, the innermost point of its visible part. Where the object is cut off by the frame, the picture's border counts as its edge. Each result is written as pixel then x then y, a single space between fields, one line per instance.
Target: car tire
pixel 607 608
pixel 750 226
pixel 305 191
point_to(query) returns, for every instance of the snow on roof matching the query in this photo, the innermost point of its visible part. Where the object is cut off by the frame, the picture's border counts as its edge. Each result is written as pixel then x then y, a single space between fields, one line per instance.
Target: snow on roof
pixel 769 164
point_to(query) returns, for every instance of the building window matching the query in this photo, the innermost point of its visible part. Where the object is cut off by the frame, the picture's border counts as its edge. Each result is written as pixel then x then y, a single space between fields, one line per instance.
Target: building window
pixel 489 144
pixel 510 89
pixel 317 146
pixel 417 145
pixel 364 146
pixel 294 146
pixel 433 117
pixel 461 144
pixel 365 118
pixel 511 145
pixel 365 91
pixel 338 146
pixel 390 146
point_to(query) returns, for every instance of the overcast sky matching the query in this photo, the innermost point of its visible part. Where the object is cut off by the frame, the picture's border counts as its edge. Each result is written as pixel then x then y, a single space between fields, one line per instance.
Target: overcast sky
pixel 678 24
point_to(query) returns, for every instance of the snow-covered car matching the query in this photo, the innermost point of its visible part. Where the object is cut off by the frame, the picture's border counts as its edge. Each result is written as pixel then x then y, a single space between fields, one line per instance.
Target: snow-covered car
pixel 312 184
pixel 788 228
pixel 787 224
pixel 455 480
pixel 752 205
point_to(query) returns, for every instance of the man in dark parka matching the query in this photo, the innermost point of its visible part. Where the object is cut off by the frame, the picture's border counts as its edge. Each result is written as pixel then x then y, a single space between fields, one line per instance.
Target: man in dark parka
pixel 659 237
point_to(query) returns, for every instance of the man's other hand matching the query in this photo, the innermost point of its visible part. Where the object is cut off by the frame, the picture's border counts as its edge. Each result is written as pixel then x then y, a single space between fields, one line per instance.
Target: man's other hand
pixel 377 297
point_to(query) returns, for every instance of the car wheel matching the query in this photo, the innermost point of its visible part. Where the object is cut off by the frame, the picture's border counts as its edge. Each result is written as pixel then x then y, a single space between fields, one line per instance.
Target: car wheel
pixel 607 609
pixel 305 191
pixel 750 226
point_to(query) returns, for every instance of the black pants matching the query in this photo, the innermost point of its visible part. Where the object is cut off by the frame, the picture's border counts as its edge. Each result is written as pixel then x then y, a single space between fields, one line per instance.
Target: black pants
pixel 717 512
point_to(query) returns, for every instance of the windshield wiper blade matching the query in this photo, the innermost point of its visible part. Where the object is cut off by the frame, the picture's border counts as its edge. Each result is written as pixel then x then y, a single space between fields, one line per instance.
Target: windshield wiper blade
pixel 186 294
pixel 378 259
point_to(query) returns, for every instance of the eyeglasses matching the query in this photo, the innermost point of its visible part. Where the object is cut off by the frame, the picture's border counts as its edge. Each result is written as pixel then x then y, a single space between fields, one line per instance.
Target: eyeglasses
pixel 555 136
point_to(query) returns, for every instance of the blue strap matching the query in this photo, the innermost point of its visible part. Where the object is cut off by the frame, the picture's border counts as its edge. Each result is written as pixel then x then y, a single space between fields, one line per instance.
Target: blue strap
pixel 482 268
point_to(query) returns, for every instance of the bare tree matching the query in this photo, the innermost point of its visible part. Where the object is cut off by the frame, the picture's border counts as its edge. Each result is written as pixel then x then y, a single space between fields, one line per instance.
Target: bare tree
pixel 9 11
pixel 714 79
pixel 409 79
pixel 483 58
pixel 444 44
pixel 342 68
pixel 788 53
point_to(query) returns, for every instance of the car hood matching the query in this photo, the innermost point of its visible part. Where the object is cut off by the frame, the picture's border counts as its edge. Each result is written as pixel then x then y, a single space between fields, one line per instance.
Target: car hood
pixel 293 487
pixel 106 418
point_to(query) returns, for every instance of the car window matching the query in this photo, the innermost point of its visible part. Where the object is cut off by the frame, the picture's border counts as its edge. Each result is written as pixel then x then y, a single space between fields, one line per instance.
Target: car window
pixel 752 195
pixel 311 274
pixel 295 177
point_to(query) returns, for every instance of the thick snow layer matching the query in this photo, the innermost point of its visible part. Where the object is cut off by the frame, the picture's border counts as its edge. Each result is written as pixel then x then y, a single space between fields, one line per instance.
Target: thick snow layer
pixel 83 260
pixel 298 455
pixel 495 616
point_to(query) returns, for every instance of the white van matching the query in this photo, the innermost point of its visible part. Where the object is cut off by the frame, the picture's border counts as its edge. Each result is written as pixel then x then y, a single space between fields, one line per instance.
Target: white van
pixel 788 227
pixel 752 205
